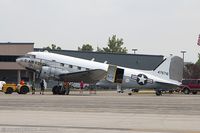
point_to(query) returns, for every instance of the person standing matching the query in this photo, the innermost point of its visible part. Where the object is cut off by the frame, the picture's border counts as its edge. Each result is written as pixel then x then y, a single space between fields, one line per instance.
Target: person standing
pixel 81 87
pixel 42 86
pixel 33 87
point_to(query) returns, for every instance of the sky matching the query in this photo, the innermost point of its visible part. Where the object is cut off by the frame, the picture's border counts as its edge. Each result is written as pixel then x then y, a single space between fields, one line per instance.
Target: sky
pixel 155 27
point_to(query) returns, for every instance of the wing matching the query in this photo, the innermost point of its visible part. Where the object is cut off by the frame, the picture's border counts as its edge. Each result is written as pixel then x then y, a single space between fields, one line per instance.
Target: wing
pixel 90 76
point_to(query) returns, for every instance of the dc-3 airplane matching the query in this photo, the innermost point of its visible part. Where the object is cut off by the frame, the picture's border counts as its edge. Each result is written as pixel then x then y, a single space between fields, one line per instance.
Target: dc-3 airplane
pixel 66 68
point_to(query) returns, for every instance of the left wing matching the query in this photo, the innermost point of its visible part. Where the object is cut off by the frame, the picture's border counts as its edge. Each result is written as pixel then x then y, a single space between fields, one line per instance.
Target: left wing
pixel 90 76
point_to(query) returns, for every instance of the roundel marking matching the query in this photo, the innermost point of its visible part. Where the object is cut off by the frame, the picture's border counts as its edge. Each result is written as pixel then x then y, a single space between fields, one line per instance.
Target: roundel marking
pixel 142 79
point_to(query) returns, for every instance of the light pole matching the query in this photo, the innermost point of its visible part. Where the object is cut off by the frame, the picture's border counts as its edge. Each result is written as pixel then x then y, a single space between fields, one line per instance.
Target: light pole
pixel 134 50
pixel 183 52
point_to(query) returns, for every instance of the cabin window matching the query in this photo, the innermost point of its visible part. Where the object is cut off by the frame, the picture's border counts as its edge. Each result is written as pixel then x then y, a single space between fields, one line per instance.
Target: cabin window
pixel 70 66
pixel 79 68
pixel 62 64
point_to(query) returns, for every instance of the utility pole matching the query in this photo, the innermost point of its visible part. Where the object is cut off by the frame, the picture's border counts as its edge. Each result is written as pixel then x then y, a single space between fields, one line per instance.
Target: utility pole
pixel 183 52
pixel 134 50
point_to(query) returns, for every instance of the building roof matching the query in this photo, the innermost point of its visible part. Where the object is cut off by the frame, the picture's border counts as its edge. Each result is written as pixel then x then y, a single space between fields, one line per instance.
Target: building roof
pixel 89 52
pixel 16 43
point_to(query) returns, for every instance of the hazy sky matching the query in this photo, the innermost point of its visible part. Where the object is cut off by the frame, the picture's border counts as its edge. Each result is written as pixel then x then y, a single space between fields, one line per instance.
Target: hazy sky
pixel 160 27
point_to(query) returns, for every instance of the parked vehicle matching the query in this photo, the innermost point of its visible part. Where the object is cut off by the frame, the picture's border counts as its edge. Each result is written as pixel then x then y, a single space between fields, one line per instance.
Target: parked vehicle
pixel 10 88
pixel 1 84
pixel 190 86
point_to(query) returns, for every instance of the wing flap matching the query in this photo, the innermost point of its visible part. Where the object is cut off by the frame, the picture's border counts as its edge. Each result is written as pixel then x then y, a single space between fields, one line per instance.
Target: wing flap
pixel 90 76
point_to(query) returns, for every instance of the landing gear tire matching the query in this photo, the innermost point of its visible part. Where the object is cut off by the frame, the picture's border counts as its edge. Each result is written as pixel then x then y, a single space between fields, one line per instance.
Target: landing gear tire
pixel 60 90
pixel 158 93
pixel 55 90
pixel 129 93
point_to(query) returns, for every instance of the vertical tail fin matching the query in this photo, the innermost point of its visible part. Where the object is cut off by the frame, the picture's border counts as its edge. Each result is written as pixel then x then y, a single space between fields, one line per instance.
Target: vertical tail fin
pixel 170 68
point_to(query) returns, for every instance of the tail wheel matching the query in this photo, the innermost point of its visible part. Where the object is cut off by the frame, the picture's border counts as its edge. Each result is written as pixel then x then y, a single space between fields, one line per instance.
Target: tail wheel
pixel 158 93
pixel 9 90
pixel 24 89
pixel 186 91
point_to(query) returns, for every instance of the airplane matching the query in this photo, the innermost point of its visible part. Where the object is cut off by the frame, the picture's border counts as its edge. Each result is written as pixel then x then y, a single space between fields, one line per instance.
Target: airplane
pixel 58 67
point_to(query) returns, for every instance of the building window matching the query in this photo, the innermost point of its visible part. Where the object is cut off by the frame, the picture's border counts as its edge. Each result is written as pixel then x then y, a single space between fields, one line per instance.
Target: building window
pixel 8 58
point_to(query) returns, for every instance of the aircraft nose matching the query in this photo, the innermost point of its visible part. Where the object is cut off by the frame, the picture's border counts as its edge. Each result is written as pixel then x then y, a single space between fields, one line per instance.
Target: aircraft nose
pixel 18 60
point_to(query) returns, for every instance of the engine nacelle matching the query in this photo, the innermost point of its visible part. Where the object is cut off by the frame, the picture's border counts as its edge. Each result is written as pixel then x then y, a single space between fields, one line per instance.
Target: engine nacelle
pixel 51 72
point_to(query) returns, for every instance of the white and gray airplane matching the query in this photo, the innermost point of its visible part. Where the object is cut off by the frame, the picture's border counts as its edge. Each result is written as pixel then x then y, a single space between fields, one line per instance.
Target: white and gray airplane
pixel 66 68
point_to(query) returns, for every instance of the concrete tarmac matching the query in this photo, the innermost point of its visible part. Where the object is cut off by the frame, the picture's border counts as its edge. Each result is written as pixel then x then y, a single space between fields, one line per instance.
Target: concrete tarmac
pixel 105 111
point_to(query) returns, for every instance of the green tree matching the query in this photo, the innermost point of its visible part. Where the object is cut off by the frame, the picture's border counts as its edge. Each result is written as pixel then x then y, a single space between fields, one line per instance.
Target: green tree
pixel 52 47
pixel 99 49
pixel 191 71
pixel 198 61
pixel 114 45
pixel 86 47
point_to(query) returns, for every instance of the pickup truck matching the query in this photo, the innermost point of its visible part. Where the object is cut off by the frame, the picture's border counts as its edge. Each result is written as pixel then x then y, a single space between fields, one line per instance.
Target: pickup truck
pixel 190 86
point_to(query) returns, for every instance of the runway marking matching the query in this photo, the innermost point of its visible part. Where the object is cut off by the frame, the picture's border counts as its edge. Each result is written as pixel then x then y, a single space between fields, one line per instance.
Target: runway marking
pixel 97 128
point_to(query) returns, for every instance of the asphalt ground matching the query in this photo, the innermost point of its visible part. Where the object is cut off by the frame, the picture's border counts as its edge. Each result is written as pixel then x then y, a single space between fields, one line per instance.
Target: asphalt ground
pixel 105 111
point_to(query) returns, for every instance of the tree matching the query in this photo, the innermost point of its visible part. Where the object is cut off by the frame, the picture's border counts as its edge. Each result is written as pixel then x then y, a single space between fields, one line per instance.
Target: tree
pixel 198 61
pixel 191 71
pixel 114 46
pixel 52 47
pixel 99 49
pixel 86 47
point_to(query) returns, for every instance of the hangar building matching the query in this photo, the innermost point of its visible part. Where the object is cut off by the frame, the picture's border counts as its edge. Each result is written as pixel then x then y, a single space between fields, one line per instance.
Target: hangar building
pixel 12 72
pixel 9 69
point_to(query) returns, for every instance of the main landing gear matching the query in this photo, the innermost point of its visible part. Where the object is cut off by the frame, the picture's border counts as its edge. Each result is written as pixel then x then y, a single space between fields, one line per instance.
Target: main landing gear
pixel 61 89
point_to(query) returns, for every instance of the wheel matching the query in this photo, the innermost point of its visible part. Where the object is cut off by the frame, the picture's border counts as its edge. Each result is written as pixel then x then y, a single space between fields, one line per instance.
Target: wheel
pixel 158 93
pixel 129 93
pixel 9 90
pixel 186 91
pixel 194 92
pixel 24 90
pixel 56 90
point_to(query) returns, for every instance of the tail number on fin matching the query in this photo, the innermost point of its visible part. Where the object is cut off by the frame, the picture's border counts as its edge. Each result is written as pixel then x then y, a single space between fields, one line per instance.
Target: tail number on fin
pixel 163 73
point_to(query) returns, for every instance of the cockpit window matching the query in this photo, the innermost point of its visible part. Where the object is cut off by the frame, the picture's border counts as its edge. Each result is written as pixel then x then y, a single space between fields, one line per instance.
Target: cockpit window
pixel 30 56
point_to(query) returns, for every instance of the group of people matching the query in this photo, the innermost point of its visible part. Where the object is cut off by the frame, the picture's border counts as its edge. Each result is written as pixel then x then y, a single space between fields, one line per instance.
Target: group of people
pixel 43 86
